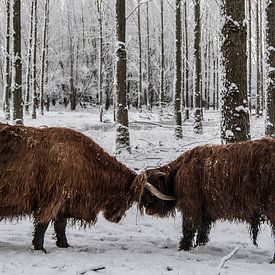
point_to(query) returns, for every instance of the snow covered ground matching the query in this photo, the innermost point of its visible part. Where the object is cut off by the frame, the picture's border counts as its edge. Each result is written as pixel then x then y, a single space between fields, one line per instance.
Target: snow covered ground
pixel 138 244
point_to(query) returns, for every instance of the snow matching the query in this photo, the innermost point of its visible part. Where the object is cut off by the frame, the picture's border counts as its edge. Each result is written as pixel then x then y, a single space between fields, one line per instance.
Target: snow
pixel 137 244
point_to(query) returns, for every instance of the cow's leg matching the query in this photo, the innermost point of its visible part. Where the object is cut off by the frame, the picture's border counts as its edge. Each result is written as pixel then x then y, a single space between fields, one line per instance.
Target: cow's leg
pixel 204 230
pixel 60 231
pixel 273 233
pixel 186 242
pixel 38 235
pixel 254 228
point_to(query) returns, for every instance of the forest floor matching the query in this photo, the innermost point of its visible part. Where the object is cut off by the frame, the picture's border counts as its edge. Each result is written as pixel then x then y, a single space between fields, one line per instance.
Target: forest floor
pixel 137 244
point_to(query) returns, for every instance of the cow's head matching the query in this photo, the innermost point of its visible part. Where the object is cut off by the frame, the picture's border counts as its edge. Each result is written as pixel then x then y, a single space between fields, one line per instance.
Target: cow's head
pixel 158 197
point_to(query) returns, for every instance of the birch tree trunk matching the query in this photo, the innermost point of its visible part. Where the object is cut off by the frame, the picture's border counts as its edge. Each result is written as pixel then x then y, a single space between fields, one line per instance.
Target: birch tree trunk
pixel 235 124
pixel 122 138
pixel 270 98
pixel 178 84
pixel 17 65
pixel 198 84
pixel 7 88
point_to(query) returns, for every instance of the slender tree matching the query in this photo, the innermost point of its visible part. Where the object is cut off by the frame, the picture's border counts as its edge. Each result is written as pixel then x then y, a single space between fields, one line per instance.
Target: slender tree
pixel 17 65
pixel 34 62
pixel 139 59
pixel 46 74
pixel 100 58
pixel 7 88
pixel 249 73
pixel 70 23
pixel 161 92
pixel 258 49
pixel 187 100
pixel 29 62
pixel 123 138
pixel 235 112
pixel 178 84
pixel 270 98
pixel 149 65
pixel 198 85
pixel 43 59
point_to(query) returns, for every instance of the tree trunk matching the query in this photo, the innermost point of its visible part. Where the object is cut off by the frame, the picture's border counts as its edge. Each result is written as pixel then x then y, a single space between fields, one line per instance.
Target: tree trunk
pixel 43 60
pixel 258 43
pixel 7 88
pixel 123 138
pixel 187 100
pixel 198 90
pixel 270 98
pixel 161 92
pixel 178 86
pixel 249 74
pixel 101 59
pixel 47 61
pixel 34 65
pixel 29 64
pixel 139 60
pixel 149 70
pixel 17 65
pixel 235 125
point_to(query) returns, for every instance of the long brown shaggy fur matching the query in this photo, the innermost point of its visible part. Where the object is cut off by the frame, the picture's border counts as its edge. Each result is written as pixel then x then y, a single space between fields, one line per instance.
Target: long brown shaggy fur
pixel 234 182
pixel 58 173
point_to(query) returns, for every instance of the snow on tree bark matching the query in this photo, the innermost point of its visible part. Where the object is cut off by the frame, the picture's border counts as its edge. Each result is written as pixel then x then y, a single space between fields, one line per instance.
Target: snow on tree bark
pixel 270 97
pixel 122 137
pixel 198 84
pixel 178 81
pixel 17 65
pixel 235 124
pixel 7 88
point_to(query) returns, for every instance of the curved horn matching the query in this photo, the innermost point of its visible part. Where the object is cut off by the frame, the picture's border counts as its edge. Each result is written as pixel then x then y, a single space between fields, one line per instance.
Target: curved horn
pixel 157 193
pixel 160 174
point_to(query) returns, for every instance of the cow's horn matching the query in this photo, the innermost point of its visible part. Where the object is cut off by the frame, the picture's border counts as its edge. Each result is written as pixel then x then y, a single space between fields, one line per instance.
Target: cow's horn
pixel 160 174
pixel 157 193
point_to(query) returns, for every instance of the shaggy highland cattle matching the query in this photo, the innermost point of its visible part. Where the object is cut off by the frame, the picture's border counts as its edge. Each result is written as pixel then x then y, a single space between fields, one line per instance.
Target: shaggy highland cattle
pixel 234 182
pixel 54 174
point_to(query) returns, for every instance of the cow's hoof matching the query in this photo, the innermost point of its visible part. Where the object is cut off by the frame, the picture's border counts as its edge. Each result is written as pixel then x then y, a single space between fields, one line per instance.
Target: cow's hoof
pixel 62 244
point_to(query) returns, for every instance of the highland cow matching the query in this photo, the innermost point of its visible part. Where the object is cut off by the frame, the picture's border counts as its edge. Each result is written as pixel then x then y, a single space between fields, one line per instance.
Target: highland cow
pixel 54 174
pixel 234 182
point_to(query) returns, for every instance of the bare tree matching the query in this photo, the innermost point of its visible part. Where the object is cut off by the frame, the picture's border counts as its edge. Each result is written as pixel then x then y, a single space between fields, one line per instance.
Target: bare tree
pixel 161 91
pixel 139 59
pixel 198 87
pixel 100 58
pixel 270 98
pixel 7 88
pixel 178 84
pixel 17 65
pixel 186 61
pixel 235 112
pixel 149 65
pixel 44 55
pixel 34 62
pixel 123 138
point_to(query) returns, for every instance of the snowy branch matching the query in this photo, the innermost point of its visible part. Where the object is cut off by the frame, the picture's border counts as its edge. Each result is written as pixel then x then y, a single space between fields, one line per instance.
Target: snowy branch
pixel 226 258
